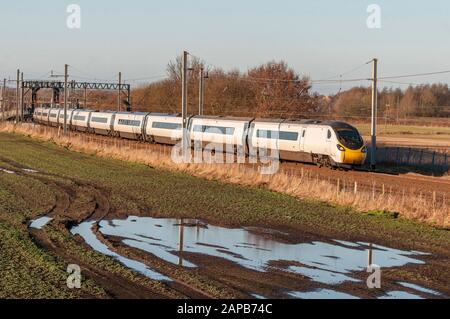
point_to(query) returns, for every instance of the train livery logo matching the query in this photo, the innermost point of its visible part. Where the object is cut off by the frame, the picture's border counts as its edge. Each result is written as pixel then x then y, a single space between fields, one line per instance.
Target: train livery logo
pixel 74 18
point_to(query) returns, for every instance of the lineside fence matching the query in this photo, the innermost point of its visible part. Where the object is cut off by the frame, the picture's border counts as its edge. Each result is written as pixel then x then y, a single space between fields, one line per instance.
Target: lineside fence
pixel 430 161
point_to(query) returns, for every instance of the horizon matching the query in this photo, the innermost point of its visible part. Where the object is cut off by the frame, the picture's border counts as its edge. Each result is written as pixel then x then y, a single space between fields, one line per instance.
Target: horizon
pixel 149 35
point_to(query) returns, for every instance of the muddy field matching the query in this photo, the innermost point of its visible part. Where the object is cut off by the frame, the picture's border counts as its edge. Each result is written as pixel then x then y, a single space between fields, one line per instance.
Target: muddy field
pixel 138 232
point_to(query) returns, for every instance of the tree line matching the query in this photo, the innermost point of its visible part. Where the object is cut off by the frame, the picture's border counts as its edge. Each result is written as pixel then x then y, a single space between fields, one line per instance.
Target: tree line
pixel 271 90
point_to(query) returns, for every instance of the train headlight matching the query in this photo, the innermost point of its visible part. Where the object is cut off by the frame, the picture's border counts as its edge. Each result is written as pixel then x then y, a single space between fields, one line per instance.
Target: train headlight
pixel 341 148
pixel 364 150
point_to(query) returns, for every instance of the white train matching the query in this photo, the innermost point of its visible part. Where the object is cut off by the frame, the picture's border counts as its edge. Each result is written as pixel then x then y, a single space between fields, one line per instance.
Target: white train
pixel 327 143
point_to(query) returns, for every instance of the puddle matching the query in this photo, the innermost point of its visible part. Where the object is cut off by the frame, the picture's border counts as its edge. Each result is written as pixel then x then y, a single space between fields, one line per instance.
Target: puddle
pixel 419 288
pixel 28 170
pixel 321 294
pixel 322 262
pixel 40 222
pixel 6 171
pixel 85 231
pixel 399 295
pixel 256 296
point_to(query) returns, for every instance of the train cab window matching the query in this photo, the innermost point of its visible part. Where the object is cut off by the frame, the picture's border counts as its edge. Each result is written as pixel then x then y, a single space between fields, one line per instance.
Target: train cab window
pixel 350 138
pixel 329 134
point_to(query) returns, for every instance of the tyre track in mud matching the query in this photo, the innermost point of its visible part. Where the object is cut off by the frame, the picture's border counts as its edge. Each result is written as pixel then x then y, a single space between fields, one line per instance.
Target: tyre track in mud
pixel 97 208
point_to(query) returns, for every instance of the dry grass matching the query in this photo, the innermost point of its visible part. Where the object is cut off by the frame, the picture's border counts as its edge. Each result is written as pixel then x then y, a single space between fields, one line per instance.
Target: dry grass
pixel 426 209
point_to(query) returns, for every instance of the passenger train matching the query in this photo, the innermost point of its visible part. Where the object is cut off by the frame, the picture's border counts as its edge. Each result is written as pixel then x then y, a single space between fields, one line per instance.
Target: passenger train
pixel 325 143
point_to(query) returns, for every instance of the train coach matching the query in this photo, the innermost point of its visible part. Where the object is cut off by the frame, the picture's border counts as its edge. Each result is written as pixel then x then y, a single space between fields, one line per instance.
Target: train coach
pixel 325 143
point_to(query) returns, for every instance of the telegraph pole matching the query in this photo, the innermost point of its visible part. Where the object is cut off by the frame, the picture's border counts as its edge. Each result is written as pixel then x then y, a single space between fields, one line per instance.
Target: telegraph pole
pixel 22 97
pixel 184 142
pixel 66 76
pixel 201 94
pixel 17 96
pixel 119 92
pixel 85 97
pixel 373 153
pixel 3 105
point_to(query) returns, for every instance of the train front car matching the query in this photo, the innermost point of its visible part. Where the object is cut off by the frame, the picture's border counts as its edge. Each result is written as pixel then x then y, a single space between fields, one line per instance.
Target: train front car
pixel 350 148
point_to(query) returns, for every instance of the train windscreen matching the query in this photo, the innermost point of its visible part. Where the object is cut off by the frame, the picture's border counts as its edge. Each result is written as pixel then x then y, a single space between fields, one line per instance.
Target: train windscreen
pixel 350 138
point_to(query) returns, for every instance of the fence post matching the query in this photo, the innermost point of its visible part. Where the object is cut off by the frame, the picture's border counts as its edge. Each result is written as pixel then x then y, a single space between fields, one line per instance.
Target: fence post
pixel 409 156
pixel 338 187
pixel 373 191
pixel 434 199
pixel 356 188
pixel 433 163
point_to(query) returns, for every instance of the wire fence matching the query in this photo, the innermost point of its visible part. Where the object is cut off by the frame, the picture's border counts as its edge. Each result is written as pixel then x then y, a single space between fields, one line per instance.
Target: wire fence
pixel 431 161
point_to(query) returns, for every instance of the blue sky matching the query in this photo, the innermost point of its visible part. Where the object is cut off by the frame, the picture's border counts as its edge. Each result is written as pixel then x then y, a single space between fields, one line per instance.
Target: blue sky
pixel 318 38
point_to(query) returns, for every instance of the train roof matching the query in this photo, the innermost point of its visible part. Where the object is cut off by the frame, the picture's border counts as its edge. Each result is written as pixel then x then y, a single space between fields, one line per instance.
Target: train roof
pixel 226 118
pixel 135 113
pixel 333 124
pixel 166 114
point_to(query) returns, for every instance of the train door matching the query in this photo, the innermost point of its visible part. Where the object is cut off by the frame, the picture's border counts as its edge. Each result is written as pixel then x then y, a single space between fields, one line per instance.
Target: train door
pixel 302 139
pixel 329 144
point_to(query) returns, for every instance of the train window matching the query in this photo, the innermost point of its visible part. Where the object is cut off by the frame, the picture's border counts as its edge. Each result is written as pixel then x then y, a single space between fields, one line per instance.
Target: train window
pixel 304 133
pixel 99 119
pixel 286 136
pixel 214 129
pixel 350 138
pixel 289 136
pixel 166 126
pixel 52 115
pixel 79 118
pixel 44 114
pixel 129 122
pixel 329 134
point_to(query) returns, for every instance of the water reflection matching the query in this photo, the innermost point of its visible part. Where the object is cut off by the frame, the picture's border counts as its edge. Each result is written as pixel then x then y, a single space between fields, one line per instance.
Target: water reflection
pixel 328 263
pixel 321 294
pixel 85 231
pixel 40 222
